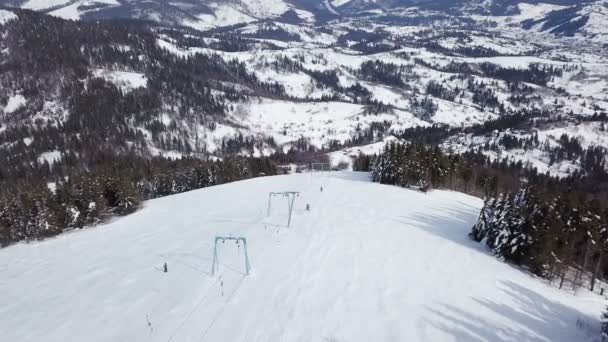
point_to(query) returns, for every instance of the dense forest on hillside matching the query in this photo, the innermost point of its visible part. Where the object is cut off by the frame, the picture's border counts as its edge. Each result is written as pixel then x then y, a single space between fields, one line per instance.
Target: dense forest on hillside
pixel 72 111
pixel 116 186
pixel 102 164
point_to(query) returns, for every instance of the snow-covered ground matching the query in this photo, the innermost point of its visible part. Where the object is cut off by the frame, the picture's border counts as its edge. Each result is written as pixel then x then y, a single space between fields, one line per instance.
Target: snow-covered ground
pixel 319 122
pixel 6 16
pixel 346 156
pixel 367 263
pixel 50 157
pixel 125 80
pixel 14 102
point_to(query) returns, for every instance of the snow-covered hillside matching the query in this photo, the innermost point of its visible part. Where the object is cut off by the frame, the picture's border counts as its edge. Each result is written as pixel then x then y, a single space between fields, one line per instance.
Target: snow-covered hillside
pixel 318 85
pixel 367 263
pixel 200 14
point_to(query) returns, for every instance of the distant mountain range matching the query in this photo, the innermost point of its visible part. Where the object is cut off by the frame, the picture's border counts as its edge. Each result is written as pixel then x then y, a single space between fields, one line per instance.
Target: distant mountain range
pixel 523 81
pixel 564 17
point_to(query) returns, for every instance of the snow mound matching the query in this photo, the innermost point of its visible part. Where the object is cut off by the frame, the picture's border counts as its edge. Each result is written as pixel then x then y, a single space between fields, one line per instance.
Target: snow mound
pixel 50 157
pixel 14 103
pixel 367 262
pixel 6 16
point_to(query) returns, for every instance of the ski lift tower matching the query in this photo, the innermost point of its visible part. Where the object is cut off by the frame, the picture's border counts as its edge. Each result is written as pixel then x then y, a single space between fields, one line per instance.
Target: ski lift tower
pixel 291 198
pixel 237 240
pixel 322 167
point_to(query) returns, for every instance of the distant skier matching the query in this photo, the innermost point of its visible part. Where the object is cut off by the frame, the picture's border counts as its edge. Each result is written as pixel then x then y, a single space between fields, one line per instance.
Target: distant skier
pixel 307 207
pixel 321 189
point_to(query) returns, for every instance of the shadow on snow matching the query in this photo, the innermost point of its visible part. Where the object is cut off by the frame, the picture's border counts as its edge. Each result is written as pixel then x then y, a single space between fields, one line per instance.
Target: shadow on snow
pixel 541 318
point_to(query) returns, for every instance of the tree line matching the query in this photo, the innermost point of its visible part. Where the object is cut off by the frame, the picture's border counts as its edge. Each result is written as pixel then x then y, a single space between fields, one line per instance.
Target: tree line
pixel 84 198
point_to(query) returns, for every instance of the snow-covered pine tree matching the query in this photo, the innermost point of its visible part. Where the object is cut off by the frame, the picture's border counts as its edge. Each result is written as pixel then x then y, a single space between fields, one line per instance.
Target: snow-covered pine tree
pixel 507 227
pixel 43 219
pixel 498 224
pixel 377 168
pixel 517 233
pixel 11 219
pixel 484 222
pixel 604 322
pixel 602 247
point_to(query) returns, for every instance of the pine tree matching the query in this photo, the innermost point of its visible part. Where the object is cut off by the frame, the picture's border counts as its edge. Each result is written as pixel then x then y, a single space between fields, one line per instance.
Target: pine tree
pixel 484 222
pixel 604 323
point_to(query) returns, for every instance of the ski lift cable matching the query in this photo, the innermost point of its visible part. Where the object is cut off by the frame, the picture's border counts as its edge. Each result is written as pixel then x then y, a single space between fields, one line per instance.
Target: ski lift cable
pixel 221 311
pixel 198 304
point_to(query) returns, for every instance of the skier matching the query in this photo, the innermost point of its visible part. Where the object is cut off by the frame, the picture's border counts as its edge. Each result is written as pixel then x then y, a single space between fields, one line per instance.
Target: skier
pixel 321 189
pixel 307 207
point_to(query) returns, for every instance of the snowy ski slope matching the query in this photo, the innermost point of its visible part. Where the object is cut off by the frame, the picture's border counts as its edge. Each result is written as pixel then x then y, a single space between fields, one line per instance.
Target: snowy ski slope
pixel 367 263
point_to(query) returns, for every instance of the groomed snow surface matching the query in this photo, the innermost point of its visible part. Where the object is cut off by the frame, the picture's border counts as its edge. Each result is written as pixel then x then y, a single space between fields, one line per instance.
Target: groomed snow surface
pixel 367 263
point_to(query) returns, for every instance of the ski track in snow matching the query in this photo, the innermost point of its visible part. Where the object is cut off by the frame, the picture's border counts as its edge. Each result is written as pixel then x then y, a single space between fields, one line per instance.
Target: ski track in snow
pixel 368 262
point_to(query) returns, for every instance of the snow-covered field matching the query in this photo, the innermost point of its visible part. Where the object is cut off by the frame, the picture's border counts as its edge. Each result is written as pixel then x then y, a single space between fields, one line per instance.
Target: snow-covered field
pixel 125 80
pixel 14 102
pixel 367 263
pixel 319 122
